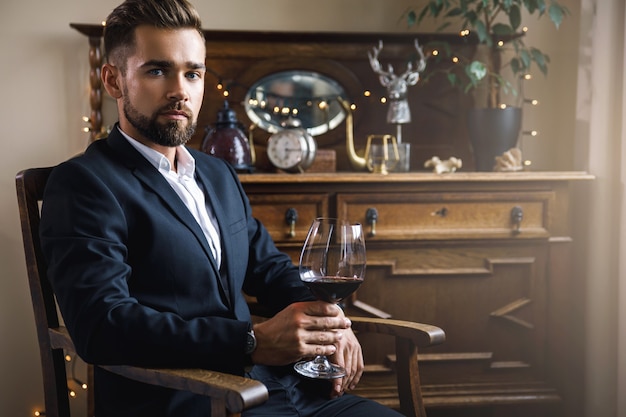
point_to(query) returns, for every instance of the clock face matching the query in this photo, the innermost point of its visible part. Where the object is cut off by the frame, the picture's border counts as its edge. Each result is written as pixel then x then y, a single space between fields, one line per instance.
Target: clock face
pixel 291 150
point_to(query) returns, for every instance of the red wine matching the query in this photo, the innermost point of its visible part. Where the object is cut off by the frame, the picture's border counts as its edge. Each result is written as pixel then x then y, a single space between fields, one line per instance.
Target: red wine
pixel 332 289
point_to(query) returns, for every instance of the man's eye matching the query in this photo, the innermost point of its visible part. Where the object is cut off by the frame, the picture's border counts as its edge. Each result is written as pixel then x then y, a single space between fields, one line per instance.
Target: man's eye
pixel 194 75
pixel 156 71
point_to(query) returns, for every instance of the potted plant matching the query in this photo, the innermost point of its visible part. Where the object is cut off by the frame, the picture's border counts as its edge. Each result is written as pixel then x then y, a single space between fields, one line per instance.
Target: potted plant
pixel 496 26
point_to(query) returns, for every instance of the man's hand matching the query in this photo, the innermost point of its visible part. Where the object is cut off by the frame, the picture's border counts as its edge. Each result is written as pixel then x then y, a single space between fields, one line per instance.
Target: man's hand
pixel 350 356
pixel 304 330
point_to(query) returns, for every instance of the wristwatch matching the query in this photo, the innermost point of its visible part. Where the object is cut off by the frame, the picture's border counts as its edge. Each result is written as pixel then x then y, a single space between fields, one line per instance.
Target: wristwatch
pixel 250 342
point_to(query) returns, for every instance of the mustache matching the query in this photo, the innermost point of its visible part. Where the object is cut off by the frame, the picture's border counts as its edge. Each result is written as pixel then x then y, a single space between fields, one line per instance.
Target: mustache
pixel 178 107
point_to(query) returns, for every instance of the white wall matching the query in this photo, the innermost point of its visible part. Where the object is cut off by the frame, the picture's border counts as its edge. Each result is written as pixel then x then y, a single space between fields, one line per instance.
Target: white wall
pixel 43 80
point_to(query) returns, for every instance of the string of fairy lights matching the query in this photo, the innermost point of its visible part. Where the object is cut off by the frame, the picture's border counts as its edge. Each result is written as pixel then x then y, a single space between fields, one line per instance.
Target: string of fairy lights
pixel 281 106
pixel 289 105
pixel 522 79
pixel 75 385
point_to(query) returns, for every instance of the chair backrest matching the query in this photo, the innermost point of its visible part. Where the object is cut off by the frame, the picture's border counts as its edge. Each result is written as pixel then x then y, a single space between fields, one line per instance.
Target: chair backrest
pixel 30 185
pixel 230 394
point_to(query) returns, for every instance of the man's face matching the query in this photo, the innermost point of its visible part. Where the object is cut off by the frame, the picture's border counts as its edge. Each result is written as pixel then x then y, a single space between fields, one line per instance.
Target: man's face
pixel 163 87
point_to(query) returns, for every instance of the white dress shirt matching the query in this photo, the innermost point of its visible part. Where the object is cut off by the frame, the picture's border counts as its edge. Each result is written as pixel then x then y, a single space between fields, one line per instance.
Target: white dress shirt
pixel 185 185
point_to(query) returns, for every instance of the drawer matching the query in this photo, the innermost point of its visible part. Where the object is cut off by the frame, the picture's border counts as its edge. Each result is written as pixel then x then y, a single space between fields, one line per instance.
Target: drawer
pixel 451 215
pixel 272 210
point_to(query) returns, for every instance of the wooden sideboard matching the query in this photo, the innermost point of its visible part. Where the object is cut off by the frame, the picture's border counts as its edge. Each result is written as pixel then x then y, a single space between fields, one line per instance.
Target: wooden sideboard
pixel 485 256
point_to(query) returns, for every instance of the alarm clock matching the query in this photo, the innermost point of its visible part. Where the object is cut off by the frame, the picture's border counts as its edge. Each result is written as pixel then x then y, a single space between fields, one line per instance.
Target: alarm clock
pixel 292 149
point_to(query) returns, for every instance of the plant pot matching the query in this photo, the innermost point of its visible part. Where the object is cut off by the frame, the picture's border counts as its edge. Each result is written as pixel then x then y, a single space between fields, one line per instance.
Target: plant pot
pixel 492 132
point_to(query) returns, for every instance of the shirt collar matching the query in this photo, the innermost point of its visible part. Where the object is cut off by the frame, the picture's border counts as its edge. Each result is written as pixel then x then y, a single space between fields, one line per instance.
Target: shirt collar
pixel 185 163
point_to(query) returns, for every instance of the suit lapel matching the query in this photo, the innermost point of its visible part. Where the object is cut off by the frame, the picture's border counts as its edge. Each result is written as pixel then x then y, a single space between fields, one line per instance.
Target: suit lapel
pixel 145 172
pixel 221 216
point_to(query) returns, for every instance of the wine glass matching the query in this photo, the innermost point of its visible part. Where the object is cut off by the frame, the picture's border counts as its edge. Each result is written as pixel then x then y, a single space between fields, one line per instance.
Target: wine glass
pixel 332 265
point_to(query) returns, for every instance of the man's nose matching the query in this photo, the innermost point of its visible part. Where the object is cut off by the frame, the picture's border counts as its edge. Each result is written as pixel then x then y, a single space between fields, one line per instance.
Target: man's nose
pixel 177 88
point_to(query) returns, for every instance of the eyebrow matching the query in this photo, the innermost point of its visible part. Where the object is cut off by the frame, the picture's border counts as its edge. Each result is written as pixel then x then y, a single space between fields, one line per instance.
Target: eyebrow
pixel 169 64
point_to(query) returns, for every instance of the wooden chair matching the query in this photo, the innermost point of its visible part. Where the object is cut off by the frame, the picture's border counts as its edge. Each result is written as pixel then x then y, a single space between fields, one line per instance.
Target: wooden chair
pixel 229 394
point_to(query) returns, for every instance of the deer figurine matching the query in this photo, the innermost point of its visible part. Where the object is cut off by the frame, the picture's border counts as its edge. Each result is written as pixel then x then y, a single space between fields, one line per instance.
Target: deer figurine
pixel 397 85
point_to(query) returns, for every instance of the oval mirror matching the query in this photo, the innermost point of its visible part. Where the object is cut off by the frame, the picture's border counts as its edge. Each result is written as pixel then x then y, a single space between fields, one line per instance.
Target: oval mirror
pixel 307 96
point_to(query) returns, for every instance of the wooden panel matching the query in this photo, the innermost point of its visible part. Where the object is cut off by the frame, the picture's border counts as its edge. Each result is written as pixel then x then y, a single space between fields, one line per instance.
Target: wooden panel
pixel 450 215
pixel 271 210
pixel 466 272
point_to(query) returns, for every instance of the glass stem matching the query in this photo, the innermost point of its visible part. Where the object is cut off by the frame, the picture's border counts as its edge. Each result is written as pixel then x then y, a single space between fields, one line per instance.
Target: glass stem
pixel 322 364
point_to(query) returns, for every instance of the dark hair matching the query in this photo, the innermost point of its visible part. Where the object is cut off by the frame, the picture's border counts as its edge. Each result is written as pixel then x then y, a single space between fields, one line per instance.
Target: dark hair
pixel 119 31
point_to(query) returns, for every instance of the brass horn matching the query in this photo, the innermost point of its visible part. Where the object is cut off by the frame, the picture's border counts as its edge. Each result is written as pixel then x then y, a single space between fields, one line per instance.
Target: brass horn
pixel 357 162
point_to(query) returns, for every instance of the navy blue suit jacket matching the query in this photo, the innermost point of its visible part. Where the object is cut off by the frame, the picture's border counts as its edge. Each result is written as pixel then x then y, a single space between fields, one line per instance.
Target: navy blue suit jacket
pixel 135 279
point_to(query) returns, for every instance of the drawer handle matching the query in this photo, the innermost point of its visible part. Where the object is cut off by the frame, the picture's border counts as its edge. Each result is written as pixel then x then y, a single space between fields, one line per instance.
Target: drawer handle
pixel 442 212
pixel 517 214
pixel 291 217
pixel 371 217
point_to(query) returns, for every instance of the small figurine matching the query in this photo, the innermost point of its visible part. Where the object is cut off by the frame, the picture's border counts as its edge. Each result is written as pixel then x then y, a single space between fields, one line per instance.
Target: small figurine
pixel 443 167
pixel 397 86
pixel 509 161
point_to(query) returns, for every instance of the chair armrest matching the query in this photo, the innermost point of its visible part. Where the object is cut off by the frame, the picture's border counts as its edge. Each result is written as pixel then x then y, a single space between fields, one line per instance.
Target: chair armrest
pixel 235 392
pixel 421 334
pixel 408 337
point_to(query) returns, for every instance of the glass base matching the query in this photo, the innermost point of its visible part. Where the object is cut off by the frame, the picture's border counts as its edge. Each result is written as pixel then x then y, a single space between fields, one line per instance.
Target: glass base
pixel 319 368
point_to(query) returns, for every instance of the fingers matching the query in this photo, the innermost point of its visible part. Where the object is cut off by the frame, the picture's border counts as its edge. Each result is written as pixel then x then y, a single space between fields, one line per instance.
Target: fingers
pixel 324 316
pixel 327 323
pixel 350 357
pixel 321 342
pixel 325 337
pixel 299 331
pixel 321 308
pixel 354 370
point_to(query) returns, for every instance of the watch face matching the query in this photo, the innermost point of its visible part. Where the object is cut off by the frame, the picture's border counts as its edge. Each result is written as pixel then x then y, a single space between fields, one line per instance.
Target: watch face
pixel 290 150
pixel 250 342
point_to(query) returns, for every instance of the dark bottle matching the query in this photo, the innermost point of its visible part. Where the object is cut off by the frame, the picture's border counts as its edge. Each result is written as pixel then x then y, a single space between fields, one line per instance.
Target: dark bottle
pixel 228 141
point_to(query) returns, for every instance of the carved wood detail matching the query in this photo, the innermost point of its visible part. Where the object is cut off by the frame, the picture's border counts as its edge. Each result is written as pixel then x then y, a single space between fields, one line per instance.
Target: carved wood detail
pixel 465 272
pixel 95 84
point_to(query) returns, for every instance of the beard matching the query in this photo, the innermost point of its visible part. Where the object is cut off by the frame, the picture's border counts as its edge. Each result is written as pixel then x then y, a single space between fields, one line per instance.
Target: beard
pixel 169 134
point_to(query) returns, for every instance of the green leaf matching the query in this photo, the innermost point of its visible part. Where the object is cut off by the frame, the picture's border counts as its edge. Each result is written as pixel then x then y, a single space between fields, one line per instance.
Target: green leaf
pixel 422 14
pixel 435 8
pixel 515 65
pixel 509 88
pixel 515 17
pixel 534 5
pixel 411 18
pixel 501 29
pixel 476 71
pixel 556 14
pixel 481 31
pixel 452 78
pixel 530 5
pixel 540 59
pixel 454 12
pixel 525 58
pixel 541 5
pixel 471 17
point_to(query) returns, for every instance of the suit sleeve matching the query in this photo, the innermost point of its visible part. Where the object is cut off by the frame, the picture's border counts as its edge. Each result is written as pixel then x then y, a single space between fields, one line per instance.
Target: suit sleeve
pixel 85 235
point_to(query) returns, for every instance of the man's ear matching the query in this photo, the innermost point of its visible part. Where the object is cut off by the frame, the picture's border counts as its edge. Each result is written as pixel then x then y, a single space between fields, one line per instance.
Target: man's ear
pixel 111 80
